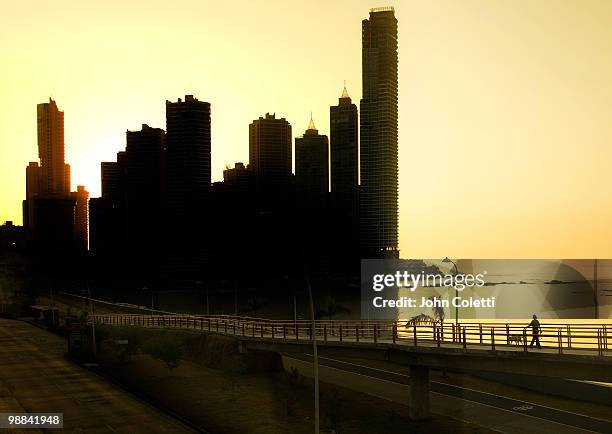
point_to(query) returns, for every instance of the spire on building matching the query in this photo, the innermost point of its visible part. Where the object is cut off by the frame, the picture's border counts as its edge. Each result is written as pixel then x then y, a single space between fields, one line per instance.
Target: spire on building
pixel 311 125
pixel 344 92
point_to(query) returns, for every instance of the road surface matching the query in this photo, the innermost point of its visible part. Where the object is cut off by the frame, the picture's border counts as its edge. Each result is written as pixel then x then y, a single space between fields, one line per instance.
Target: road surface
pixel 495 412
pixel 35 377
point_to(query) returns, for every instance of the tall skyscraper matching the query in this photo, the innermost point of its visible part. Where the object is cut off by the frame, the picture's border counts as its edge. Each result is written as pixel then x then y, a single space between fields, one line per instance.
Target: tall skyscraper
pixel 49 208
pixel 343 121
pixel 51 149
pixel 143 189
pixel 270 158
pixel 343 124
pixel 379 147
pixel 312 164
pixel 312 191
pixel 188 181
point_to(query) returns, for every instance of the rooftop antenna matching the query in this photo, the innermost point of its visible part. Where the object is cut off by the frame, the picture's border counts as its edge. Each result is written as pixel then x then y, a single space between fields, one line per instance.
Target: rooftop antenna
pixel 344 91
pixel 311 125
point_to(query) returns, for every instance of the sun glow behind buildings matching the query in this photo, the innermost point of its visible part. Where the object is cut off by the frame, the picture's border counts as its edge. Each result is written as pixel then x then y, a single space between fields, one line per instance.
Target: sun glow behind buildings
pixel 504 108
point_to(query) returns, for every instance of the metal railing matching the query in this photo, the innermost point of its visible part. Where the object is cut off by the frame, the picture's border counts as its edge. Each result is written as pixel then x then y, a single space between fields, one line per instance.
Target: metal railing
pixel 589 338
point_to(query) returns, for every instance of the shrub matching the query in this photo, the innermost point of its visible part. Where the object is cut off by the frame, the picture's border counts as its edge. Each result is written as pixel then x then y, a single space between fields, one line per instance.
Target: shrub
pixel 166 349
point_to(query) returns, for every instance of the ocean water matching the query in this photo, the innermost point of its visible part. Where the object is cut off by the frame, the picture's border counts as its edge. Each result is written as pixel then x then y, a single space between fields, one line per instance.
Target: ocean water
pixel 570 290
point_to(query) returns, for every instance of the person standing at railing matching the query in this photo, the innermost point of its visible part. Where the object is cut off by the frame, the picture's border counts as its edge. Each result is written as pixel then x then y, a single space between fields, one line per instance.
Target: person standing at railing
pixel 535 331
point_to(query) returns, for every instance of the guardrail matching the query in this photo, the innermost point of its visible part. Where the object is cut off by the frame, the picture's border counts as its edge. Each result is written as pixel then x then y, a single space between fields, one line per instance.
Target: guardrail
pixel 486 336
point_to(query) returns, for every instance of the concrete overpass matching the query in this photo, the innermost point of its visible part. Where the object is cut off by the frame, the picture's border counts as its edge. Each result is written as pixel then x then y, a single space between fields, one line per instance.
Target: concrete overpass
pixel 576 352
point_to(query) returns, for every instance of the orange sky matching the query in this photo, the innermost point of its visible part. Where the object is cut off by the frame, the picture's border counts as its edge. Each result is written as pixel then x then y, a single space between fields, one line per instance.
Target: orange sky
pixel 505 107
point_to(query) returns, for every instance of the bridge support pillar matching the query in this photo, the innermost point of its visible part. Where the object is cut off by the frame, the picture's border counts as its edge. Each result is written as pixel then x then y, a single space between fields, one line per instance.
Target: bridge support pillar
pixel 419 392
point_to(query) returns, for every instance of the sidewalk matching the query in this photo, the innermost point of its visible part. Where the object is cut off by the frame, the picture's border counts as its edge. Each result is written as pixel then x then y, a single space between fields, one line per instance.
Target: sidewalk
pixel 35 377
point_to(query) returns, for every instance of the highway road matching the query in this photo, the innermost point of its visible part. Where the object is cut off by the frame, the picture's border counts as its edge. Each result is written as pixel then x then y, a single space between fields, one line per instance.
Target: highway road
pixel 496 412
pixel 36 377
pixel 492 411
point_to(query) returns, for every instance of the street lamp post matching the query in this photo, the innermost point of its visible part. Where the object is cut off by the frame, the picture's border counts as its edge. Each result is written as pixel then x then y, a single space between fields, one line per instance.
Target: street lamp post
pixel 447 260
pixel 315 356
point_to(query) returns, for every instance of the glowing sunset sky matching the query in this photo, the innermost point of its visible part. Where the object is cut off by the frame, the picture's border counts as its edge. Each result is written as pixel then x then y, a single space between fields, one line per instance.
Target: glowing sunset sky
pixel 505 134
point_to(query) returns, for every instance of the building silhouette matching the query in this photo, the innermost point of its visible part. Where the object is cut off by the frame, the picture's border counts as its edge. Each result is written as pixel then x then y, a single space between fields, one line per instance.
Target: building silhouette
pixel 270 160
pixel 112 177
pixel 11 237
pixel 312 164
pixel 233 223
pixel 344 142
pixel 55 220
pixel 344 125
pixel 379 147
pixel 312 194
pixel 33 188
pixel 81 214
pixel 107 214
pixel 159 215
pixel 239 176
pixel 54 228
pixel 143 182
pixel 188 183
pixel 55 174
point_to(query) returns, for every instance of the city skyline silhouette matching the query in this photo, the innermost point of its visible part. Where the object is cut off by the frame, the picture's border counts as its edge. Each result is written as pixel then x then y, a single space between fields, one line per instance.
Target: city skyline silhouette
pixel 276 216
pixel 160 212
pixel 490 87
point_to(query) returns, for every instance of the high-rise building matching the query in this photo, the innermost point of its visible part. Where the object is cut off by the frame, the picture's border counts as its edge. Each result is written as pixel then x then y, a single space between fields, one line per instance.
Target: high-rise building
pixel 143 188
pixel 270 159
pixel 81 198
pixel 344 125
pixel 107 214
pixel 51 149
pixel 110 177
pixel 312 190
pixel 312 164
pixel 188 180
pixel 378 202
pixel 49 208
pixel 233 220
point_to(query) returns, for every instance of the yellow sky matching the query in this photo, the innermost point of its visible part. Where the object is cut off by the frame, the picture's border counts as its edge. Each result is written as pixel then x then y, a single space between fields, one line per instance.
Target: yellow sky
pixel 505 106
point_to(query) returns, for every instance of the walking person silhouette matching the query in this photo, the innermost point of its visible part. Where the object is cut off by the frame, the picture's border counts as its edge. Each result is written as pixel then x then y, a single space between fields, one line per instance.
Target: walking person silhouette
pixel 535 331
